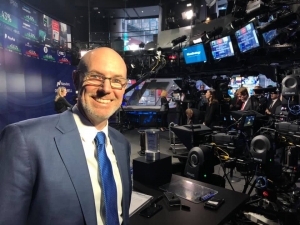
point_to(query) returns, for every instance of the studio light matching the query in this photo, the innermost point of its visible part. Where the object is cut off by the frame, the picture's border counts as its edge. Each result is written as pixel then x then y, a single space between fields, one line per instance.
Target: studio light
pixel 179 40
pixel 187 15
pixel 142 45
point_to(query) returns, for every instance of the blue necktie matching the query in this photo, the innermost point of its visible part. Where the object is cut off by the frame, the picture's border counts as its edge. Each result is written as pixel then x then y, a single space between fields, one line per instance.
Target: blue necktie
pixel 108 182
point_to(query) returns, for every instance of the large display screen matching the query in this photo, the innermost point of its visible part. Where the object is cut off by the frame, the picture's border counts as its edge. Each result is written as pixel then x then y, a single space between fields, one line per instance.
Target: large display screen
pixel 222 48
pixel 247 38
pixel 194 54
pixel 24 30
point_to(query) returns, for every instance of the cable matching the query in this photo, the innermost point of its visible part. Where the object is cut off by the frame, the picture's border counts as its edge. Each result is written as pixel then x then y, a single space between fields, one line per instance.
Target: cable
pixel 295 110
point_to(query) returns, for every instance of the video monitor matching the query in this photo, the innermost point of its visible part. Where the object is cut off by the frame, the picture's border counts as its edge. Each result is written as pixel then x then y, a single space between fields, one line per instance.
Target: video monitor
pixel 270 35
pixel 194 54
pixel 247 38
pixel 248 120
pixel 222 48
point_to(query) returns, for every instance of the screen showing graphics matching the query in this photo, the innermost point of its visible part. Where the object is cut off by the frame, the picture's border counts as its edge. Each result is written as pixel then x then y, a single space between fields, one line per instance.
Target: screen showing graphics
pixel 21 25
pixel 194 54
pixel 247 38
pixel 222 48
pixel 237 81
pixel 249 121
pixel 270 35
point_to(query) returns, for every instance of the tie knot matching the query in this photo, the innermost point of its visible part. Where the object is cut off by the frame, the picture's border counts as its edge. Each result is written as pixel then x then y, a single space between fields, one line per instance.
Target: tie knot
pixel 100 138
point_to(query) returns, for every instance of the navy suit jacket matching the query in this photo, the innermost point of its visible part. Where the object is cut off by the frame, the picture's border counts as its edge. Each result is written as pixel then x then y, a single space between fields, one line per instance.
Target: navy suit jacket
pixel 44 177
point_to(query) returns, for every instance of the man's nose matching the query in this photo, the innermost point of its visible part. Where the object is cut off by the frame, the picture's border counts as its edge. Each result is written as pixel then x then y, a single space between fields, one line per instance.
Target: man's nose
pixel 106 86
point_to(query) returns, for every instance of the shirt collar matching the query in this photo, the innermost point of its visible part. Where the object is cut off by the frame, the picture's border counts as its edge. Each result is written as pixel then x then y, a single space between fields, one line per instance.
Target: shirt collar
pixel 87 130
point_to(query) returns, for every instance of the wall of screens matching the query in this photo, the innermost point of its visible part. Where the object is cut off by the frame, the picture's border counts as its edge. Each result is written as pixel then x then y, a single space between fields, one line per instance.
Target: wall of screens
pixel 25 31
pixel 244 40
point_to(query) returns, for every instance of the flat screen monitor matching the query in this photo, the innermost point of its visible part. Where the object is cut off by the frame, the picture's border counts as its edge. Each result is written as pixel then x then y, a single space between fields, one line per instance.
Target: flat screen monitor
pixel 222 48
pixel 247 38
pixel 270 35
pixel 194 54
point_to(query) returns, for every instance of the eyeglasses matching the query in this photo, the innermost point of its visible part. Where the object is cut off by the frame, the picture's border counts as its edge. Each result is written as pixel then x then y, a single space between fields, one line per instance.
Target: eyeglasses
pixel 98 79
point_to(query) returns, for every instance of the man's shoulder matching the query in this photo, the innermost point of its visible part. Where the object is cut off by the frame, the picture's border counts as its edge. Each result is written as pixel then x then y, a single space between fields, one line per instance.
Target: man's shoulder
pixel 44 122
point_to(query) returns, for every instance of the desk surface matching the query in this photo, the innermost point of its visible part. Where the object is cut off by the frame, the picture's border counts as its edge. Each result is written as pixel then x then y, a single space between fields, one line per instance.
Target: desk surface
pixel 197 215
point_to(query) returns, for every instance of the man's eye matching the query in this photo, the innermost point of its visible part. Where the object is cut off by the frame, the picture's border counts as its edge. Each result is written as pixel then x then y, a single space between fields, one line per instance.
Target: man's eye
pixel 116 80
pixel 95 77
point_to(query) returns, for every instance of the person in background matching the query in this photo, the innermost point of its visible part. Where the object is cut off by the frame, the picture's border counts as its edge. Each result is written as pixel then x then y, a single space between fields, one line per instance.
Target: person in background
pixel 273 104
pixel 164 110
pixel 248 103
pixel 262 100
pixel 236 103
pixel 212 110
pixel 71 168
pixel 192 115
pixel 202 87
pixel 60 103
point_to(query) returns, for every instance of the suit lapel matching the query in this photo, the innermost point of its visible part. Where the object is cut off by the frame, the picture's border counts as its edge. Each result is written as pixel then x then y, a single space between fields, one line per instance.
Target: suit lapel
pixel 71 151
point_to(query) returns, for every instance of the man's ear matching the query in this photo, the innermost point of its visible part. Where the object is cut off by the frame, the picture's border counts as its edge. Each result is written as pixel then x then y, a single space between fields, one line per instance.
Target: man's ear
pixel 76 79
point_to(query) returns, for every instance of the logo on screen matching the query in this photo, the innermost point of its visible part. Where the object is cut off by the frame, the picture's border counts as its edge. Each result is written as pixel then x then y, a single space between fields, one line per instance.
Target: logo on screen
pixel 60 83
pixel 13 2
pixel 193 53
pixel 9 38
pixel 45 49
pixel 61 53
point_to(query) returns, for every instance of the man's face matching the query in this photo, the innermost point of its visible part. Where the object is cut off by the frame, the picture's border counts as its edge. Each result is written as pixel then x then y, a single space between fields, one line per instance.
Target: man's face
pixel 243 98
pixel 98 103
pixel 189 114
pixel 274 96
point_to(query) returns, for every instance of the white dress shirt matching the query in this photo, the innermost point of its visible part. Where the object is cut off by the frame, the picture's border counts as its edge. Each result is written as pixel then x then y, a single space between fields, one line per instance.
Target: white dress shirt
pixel 273 103
pixel 88 133
pixel 244 104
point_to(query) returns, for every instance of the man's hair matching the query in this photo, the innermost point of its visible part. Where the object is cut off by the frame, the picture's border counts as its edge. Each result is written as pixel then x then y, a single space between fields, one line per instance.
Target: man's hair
pixel 242 91
pixel 189 111
pixel 82 66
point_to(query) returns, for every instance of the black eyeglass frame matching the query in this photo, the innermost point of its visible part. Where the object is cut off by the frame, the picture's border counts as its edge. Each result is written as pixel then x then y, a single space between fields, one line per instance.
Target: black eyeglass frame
pixel 86 78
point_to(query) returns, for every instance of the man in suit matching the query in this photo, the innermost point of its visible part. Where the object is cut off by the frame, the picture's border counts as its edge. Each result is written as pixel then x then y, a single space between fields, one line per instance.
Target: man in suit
pixel 49 167
pixel 273 104
pixel 248 102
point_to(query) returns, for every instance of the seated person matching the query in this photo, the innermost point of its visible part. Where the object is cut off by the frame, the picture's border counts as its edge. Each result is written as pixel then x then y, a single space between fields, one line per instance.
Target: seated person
pixel 262 100
pixel 248 102
pixel 235 103
pixel 192 115
pixel 212 110
pixel 273 104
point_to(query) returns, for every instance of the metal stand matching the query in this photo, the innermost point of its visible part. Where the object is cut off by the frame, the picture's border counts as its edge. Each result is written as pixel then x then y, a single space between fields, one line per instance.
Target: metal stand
pixel 142 143
pixel 233 179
